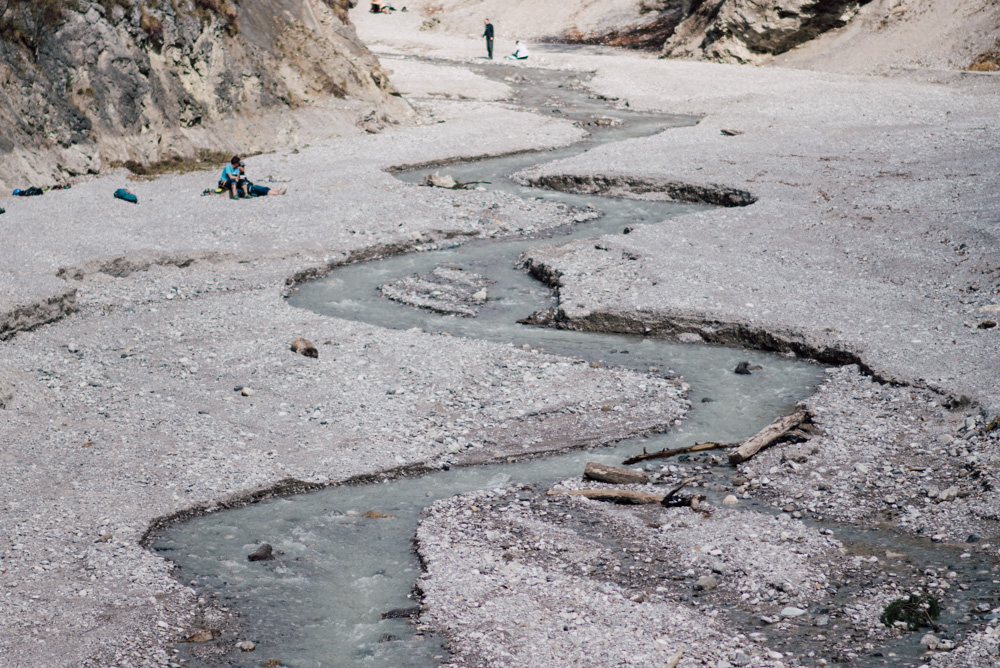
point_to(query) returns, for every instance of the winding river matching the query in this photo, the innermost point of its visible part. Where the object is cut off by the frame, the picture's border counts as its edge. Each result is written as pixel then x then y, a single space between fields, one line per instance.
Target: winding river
pixel 324 601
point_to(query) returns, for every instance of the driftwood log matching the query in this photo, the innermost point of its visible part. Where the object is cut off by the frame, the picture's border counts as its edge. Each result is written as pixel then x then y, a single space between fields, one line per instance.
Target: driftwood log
pixel 697 447
pixel 624 496
pixel 798 425
pixel 769 435
pixel 614 474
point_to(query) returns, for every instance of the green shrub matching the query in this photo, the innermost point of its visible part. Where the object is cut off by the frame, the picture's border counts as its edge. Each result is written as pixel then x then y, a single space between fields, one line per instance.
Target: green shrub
pixel 914 611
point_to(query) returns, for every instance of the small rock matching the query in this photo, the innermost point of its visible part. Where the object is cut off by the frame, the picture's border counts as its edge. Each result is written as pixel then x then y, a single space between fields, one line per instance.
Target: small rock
pixel 799 453
pixel 973 538
pixel 262 553
pixel 480 296
pixel 689 337
pixel 203 635
pixel 402 613
pixel 792 612
pixel 247 392
pixel 305 347
pixel 949 494
pixel 247 645
pixel 706 583
pixel 437 180
pixel 930 641
pixel 740 658
pixel 743 369
pixel 730 500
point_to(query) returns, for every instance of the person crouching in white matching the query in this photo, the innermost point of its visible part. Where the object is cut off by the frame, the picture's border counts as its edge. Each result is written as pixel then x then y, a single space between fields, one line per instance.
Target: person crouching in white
pixel 520 52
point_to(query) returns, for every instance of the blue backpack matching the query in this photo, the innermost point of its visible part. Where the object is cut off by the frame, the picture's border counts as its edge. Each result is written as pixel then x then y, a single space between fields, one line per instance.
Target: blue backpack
pixel 121 193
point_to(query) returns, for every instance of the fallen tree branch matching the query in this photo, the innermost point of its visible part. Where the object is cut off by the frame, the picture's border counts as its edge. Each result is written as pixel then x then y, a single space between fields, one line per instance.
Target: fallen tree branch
pixel 768 436
pixel 669 495
pixel 697 447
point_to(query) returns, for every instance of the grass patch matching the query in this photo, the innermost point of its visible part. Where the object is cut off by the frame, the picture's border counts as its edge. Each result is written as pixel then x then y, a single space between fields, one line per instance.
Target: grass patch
pixel 987 62
pixel 176 165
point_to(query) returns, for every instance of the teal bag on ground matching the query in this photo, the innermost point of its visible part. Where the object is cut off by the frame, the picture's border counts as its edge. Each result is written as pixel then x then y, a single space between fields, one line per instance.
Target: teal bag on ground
pixel 121 193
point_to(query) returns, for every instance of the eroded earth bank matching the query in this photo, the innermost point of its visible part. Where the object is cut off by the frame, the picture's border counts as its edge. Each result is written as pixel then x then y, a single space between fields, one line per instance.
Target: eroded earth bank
pixel 872 242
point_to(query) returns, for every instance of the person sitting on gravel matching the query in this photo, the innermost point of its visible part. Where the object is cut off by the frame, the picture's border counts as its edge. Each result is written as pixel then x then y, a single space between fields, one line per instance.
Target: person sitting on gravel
pixel 381 9
pixel 232 179
pixel 520 52
pixel 255 190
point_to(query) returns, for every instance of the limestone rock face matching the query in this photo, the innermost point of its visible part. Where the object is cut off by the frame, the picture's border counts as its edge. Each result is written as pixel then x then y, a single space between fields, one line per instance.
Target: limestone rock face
pixel 751 31
pixel 158 79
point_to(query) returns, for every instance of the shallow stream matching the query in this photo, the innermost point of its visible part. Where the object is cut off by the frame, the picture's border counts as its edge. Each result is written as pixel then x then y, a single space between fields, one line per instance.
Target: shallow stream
pixel 324 600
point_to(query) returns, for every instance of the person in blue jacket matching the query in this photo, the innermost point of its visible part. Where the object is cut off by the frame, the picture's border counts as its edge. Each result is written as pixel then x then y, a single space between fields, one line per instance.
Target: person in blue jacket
pixel 232 180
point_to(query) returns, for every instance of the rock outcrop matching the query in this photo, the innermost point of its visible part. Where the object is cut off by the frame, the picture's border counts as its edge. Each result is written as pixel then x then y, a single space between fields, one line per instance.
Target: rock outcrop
pixel 750 31
pixel 113 81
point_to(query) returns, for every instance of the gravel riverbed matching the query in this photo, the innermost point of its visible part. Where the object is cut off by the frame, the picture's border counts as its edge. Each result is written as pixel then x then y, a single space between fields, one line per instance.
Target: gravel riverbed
pixel 163 382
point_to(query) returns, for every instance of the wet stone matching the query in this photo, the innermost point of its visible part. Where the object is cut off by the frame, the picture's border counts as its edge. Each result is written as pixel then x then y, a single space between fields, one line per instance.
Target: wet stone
pixel 262 553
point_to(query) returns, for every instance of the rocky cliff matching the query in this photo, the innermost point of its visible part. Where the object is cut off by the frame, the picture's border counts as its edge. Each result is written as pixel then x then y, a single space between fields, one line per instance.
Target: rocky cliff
pixel 751 31
pixel 110 81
